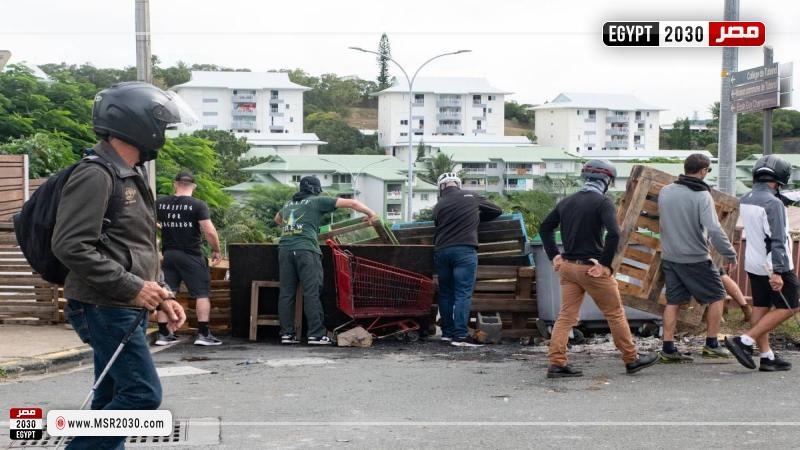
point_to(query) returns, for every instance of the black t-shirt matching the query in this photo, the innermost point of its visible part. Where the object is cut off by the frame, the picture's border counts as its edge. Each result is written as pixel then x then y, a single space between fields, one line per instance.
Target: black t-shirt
pixel 179 217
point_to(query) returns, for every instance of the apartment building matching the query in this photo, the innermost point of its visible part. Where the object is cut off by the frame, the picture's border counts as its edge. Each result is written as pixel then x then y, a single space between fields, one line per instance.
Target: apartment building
pixel 505 170
pixel 598 125
pixel 264 107
pixel 441 107
pixel 378 181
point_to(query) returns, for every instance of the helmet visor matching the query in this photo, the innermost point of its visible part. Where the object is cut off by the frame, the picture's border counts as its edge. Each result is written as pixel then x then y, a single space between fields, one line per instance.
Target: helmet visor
pixel 175 111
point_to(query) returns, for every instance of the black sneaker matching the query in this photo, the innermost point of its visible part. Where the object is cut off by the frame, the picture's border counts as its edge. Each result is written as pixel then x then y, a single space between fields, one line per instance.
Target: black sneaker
pixel 642 362
pixel 465 342
pixel 168 339
pixel 207 340
pixel 288 339
pixel 554 371
pixel 743 353
pixel 774 365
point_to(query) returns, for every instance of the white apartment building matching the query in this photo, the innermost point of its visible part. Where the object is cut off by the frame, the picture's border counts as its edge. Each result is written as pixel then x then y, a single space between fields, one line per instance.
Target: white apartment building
pixel 264 107
pixel 378 181
pixel 598 125
pixel 442 107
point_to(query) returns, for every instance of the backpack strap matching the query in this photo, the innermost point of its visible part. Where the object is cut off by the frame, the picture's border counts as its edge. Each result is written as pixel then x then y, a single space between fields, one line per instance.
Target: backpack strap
pixel 117 199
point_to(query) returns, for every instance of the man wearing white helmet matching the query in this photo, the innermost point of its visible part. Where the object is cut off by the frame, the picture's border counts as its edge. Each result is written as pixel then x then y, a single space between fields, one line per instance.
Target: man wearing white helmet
pixel 457 215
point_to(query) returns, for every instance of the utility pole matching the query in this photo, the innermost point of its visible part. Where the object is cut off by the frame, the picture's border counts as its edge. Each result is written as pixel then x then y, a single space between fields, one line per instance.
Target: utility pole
pixel 144 66
pixel 767 140
pixel 727 119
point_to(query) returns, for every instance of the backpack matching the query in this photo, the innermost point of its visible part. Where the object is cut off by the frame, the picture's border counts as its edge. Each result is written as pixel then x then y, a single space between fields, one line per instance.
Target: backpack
pixel 34 225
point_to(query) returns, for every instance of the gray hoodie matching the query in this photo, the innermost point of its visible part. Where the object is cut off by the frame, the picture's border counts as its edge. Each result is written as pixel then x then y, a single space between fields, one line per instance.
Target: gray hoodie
pixel 688 219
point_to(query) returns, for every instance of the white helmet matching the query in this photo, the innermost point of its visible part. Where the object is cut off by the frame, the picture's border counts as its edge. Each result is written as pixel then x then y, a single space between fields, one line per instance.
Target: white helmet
pixel 448 177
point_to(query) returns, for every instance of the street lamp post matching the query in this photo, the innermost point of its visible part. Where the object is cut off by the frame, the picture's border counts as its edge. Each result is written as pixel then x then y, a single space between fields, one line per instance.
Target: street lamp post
pixel 354 175
pixel 410 81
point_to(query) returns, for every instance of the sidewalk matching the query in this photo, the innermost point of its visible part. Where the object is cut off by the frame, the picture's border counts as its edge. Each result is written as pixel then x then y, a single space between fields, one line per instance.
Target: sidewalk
pixel 38 349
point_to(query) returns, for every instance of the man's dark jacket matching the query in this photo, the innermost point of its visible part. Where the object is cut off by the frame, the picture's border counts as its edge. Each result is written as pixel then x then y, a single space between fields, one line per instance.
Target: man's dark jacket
pixel 457 215
pixel 110 270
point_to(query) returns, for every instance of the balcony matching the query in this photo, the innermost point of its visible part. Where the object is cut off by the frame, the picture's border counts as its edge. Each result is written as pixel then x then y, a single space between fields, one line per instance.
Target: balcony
pixel 519 170
pixel 591 119
pixel 617 132
pixel 473 170
pixel 275 114
pixel 617 144
pixel 449 115
pixel 473 187
pixel 243 98
pixel 613 118
pixel 638 146
pixel 478 104
pixel 243 125
pixel 448 101
pixel 243 112
pixel 447 129
pixel 276 128
pixel 394 195
pixel 479 131
pixel 417 104
pixel 275 100
pixel 394 215
pixel 638 132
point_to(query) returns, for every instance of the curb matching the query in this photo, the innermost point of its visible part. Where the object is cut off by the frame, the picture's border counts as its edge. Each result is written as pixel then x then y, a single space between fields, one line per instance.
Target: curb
pixel 53 362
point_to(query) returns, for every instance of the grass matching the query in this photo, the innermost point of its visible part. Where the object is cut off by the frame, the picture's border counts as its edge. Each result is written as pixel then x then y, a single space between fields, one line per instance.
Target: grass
pixel 735 324
pixel 3 373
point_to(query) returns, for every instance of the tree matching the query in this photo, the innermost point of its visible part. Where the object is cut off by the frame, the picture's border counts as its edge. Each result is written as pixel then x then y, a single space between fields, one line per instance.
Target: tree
pixel 229 150
pixel 47 153
pixel 265 201
pixel 237 224
pixel 522 114
pixel 195 154
pixel 533 205
pixel 442 163
pixel 385 53
pixel 341 138
pixel 420 150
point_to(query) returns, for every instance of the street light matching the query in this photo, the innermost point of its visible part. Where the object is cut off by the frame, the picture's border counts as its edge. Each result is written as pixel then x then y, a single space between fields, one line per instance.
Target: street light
pixel 354 175
pixel 410 106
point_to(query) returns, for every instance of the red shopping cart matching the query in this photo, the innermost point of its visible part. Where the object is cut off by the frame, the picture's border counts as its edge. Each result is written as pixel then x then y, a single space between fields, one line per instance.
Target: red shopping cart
pixel 389 296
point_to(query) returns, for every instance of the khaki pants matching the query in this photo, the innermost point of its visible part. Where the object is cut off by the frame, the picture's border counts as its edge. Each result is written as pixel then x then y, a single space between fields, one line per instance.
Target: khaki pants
pixel 575 282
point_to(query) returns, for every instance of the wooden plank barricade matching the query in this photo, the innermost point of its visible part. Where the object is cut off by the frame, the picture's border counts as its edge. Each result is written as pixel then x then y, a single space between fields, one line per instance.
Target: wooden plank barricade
pixel 638 260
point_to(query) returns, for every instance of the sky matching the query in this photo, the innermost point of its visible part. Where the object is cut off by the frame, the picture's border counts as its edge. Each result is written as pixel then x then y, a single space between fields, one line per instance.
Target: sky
pixel 533 48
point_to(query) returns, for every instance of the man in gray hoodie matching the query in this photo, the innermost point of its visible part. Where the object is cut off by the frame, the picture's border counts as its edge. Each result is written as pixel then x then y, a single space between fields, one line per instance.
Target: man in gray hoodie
pixel 688 220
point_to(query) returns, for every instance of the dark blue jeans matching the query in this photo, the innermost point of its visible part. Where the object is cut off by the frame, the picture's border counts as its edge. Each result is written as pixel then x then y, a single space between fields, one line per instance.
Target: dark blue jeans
pixel 132 382
pixel 456 267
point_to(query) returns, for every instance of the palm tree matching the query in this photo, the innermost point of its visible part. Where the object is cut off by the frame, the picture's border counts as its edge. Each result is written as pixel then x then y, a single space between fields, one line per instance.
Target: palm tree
pixel 440 164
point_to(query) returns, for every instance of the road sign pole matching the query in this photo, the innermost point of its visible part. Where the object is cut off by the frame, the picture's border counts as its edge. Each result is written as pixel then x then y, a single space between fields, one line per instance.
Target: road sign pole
pixel 767 141
pixel 727 118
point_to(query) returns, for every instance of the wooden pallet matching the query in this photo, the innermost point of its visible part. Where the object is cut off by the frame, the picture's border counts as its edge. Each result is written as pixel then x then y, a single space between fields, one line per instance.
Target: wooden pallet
pixel 639 254
pixel 350 231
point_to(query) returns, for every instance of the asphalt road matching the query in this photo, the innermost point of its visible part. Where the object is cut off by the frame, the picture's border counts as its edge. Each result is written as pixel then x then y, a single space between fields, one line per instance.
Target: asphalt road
pixel 427 395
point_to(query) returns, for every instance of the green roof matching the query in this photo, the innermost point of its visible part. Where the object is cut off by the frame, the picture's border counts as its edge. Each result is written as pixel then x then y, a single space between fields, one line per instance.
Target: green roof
pixel 326 163
pixel 242 187
pixel 529 154
pixel 748 162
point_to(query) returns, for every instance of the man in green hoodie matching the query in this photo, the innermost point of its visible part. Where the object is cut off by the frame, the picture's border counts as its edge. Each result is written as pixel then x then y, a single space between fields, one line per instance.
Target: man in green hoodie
pixel 300 258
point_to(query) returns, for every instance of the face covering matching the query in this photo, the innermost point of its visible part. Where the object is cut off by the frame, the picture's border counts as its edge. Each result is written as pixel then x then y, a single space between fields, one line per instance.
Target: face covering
pixel 598 186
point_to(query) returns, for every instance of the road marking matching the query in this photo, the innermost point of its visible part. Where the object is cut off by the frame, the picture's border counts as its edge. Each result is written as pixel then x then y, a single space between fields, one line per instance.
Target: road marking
pixel 294 362
pixel 176 371
pixel 499 424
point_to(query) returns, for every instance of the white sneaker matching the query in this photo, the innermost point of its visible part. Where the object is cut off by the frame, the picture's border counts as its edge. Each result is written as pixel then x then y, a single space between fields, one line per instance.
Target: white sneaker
pixel 324 340
pixel 289 339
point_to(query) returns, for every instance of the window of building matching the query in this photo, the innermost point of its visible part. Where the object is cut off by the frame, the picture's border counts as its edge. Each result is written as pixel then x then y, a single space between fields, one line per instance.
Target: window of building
pixel 287 106
pixel 403 133
pixel 403 122
pixel 557 165
pixel 419 99
pixel 291 119
pixel 592 113
pixel 479 124
pixel 490 110
pixel 423 197
pixel 476 99
pixel 273 108
pixel 209 113
pixel 648 113
pixel 651 126
pixel 579 112
pixel 209 100
pixel 296 178
pixel 491 166
pixel 273 94
pixel 342 178
pixel 491 97
pixel 421 123
pixel 276 131
pixel 578 149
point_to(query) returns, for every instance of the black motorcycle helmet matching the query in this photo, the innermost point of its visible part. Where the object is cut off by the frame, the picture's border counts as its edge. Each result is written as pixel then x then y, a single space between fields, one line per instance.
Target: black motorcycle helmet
pixel 138 113
pixel 772 168
pixel 598 169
